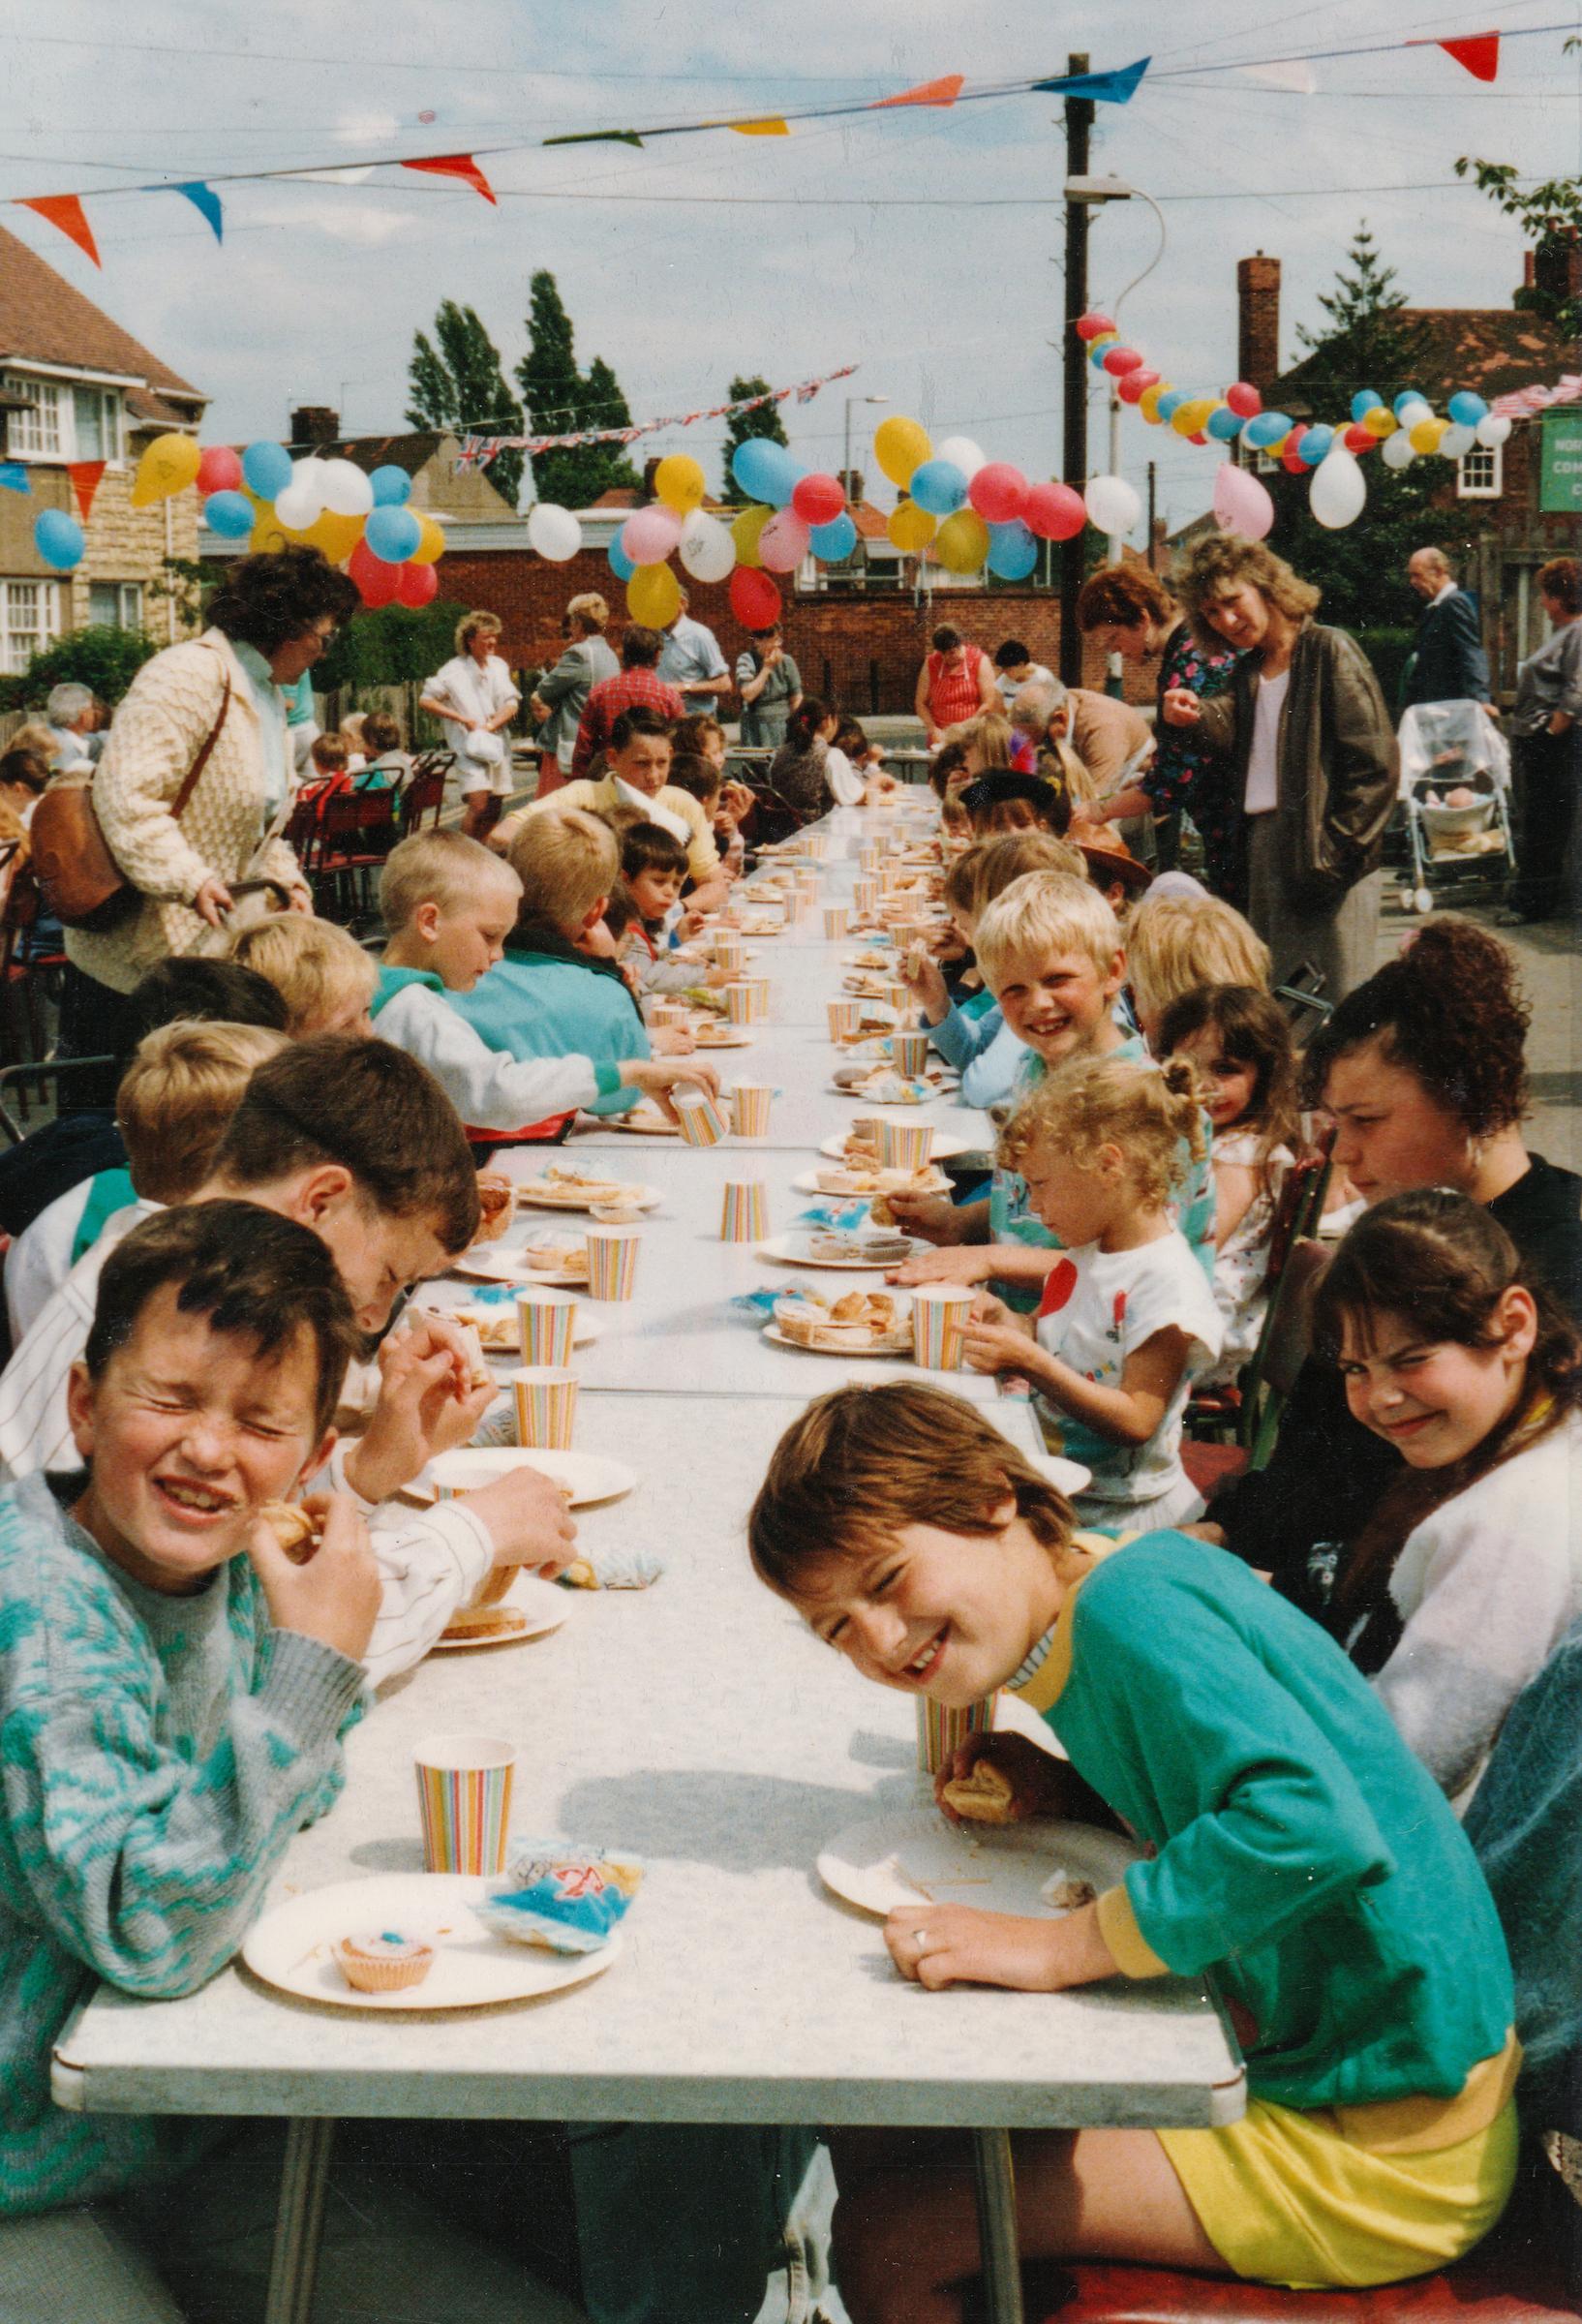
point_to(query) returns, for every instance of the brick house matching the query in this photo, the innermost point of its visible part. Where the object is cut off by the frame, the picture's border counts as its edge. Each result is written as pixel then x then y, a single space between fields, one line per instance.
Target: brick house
pixel 1494 350
pixel 77 386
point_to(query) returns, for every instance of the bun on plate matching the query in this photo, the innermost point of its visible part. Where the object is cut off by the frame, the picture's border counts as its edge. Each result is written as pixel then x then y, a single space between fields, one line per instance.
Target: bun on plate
pixel 983 1796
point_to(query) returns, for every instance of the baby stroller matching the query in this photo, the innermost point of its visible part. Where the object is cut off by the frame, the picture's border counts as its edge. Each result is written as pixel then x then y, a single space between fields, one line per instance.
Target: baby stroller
pixel 1455 795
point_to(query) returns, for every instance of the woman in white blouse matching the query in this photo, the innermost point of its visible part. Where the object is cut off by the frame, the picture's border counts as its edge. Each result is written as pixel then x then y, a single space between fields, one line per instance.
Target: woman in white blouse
pixel 474 697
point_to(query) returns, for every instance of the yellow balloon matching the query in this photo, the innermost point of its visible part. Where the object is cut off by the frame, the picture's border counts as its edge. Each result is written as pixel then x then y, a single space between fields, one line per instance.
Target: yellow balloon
pixel 1425 436
pixel 900 446
pixel 1381 421
pixel 961 542
pixel 678 482
pixel 268 536
pixel 168 465
pixel 744 531
pixel 1188 418
pixel 911 528
pixel 431 547
pixel 336 535
pixel 654 596
pixel 1148 402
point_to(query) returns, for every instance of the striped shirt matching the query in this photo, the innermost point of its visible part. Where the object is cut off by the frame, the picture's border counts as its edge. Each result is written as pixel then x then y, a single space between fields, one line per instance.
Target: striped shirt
pixel 626 690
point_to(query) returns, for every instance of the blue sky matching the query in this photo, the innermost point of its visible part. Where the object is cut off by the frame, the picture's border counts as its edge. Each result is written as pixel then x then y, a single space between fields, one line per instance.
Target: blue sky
pixel 923 245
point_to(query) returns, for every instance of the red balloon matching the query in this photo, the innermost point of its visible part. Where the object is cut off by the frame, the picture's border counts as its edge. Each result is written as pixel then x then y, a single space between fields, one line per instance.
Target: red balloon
pixel 1244 400
pixel 219 470
pixel 376 582
pixel 1054 512
pixel 1358 438
pixel 1118 360
pixel 818 499
pixel 416 584
pixel 998 492
pixel 1093 325
pixel 754 599
pixel 1135 385
pixel 1200 438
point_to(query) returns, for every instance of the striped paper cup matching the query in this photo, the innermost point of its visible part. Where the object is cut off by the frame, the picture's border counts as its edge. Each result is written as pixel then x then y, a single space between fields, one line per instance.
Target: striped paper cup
pixel 546 1406
pixel 846 1016
pixel 909 1052
pixel 904 1145
pixel 463 1798
pixel 546 1324
pixel 869 856
pixel 700 1119
pixel 671 1013
pixel 865 896
pixel 739 1008
pixel 837 921
pixel 813 842
pixel 750 1102
pixel 612 1261
pixel 757 990
pixel 730 954
pixel 744 1215
pixel 941 1730
pixel 939 1316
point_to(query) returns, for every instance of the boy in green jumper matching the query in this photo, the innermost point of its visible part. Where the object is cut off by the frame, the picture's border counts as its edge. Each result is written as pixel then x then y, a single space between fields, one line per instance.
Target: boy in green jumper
pixel 1295 1850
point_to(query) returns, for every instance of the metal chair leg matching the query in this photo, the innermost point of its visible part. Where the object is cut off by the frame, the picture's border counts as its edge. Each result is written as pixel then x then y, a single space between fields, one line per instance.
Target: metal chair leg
pixel 997 2226
pixel 299 2221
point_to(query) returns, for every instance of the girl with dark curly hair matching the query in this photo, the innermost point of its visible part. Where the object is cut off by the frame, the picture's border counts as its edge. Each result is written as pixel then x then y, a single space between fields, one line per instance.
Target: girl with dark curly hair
pixel 268 622
pixel 1422 1072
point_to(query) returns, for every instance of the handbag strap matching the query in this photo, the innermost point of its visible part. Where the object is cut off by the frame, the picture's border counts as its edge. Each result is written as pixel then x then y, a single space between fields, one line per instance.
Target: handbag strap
pixel 189 782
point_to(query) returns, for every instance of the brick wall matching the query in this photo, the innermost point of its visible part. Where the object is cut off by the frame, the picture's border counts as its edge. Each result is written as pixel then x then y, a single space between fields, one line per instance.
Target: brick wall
pixel 866 651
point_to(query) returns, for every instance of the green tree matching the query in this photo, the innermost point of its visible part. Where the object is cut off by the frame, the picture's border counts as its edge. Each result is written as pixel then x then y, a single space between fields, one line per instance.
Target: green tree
pixel 765 422
pixel 390 645
pixel 459 384
pixel 101 657
pixel 1550 213
pixel 561 399
pixel 1368 340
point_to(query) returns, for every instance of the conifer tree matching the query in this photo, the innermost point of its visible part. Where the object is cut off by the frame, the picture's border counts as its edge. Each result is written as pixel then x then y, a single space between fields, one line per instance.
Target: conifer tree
pixel 765 422
pixel 460 386
pixel 561 400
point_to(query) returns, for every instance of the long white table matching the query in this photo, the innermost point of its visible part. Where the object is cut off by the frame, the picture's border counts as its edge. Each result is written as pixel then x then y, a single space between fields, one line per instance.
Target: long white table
pixel 699 1724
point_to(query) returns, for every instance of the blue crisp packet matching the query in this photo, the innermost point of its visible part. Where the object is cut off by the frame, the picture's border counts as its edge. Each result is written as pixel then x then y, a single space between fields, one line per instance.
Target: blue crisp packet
pixel 836 1213
pixel 569 1900
pixel 757 1306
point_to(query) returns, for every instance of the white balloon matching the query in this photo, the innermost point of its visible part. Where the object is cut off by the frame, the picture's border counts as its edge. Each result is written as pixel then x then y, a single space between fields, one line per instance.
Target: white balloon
pixel 1113 504
pixel 1493 430
pixel 553 531
pixel 706 550
pixel 298 507
pixel 1338 495
pixel 963 453
pixel 345 490
pixel 1456 439
pixel 1396 451
pixel 1408 415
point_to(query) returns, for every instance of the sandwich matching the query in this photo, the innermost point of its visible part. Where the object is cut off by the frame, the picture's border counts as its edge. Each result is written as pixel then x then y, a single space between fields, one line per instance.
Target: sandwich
pixel 984 1796
pixel 497 1203
pixel 296 1529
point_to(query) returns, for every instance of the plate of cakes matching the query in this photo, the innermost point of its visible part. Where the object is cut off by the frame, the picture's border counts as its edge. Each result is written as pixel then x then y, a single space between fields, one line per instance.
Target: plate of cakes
pixel 555 1259
pixel 863 1152
pixel 834 1246
pixel 526 1607
pixel 859 1323
pixel 563 1188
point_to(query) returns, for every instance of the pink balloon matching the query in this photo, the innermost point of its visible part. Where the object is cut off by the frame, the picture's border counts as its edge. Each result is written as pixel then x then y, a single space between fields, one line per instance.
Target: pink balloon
pixel 1244 400
pixel 1054 512
pixel 818 499
pixel 1093 325
pixel 1135 384
pixel 1119 360
pixel 219 470
pixel 783 544
pixel 998 492
pixel 416 584
pixel 648 534
pixel 1242 503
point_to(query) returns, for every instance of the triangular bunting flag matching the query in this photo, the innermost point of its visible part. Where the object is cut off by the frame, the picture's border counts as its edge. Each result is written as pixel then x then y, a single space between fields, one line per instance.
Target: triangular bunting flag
pixel 85 475
pixel 206 203
pixel 759 128
pixel 1109 88
pixel 14 476
pixel 1478 51
pixel 65 211
pixel 456 165
pixel 928 92
pixel 599 137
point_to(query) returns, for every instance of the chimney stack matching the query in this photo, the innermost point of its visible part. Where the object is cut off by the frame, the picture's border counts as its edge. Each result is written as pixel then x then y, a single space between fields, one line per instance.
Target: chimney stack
pixel 315 424
pixel 1554 270
pixel 852 482
pixel 1258 320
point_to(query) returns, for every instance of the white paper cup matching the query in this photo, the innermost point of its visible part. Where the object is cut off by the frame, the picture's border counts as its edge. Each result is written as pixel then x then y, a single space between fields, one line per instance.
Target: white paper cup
pixel 545 1396
pixel 464 1800
pixel 939 1316
pixel 612 1261
pixel 546 1324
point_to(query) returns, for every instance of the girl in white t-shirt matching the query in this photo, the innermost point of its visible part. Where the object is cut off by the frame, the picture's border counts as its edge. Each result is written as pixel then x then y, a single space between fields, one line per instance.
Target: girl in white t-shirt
pixel 1238 1042
pixel 1127 1319
pixel 1469 1573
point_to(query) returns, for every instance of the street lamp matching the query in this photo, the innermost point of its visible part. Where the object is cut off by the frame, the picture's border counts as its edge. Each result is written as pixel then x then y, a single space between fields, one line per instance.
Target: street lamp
pixel 849 401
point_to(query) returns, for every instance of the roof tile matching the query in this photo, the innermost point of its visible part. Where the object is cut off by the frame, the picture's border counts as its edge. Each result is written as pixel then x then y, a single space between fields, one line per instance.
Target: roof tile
pixel 44 320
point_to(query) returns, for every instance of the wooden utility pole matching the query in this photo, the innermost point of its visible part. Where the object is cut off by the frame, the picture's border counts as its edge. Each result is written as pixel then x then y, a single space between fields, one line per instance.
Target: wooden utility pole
pixel 1073 458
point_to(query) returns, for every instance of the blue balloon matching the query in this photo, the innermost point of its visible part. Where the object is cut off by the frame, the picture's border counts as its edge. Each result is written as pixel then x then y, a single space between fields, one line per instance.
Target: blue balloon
pixel 835 540
pixel 621 565
pixel 392 487
pixel 1168 401
pixel 58 538
pixel 1467 409
pixel 939 487
pixel 1408 395
pixel 229 514
pixel 1314 445
pixel 1364 402
pixel 391 534
pixel 1012 552
pixel 1098 350
pixel 267 468
pixel 1224 425
pixel 1265 427
pixel 765 470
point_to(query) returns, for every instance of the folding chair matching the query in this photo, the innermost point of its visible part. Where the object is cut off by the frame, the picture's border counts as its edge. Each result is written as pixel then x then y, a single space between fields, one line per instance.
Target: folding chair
pixel 425 790
pixel 33 1079
pixel 356 831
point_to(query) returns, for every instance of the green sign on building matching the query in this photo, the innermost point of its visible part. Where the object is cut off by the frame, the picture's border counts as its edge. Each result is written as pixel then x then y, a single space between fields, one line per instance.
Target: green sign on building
pixel 1559 493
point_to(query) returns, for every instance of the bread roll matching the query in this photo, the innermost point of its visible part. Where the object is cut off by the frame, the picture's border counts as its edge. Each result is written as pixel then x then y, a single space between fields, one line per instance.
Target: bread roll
pixel 497 1204
pixel 293 1527
pixel 983 1796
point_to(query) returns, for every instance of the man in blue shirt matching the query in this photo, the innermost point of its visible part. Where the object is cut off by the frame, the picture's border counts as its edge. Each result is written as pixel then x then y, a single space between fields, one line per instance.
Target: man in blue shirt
pixel 693 665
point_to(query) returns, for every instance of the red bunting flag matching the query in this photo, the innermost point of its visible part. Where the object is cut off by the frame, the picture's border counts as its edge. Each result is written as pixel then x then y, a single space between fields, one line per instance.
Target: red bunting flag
pixel 1477 51
pixel 85 475
pixel 456 165
pixel 65 211
pixel 928 92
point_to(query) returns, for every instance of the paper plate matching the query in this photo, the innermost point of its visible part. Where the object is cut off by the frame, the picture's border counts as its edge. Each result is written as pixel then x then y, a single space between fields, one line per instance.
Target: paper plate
pixel 587 1476
pixel 793 1251
pixel 805 1181
pixel 501 1262
pixel 542 1194
pixel 724 1036
pixel 947 1143
pixel 542 1605
pixel 290 1948
pixel 586 1326
pixel 779 1339
pixel 645 1120
pixel 914 1857
pixel 908 1104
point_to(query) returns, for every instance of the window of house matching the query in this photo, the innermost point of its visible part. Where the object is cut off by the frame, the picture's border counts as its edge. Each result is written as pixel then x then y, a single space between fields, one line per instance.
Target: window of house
pixel 116 604
pixel 96 412
pixel 1480 473
pixel 37 430
pixel 29 617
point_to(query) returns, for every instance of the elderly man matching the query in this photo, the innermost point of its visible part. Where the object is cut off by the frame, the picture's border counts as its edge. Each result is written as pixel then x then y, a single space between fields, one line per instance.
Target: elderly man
pixel 1108 737
pixel 693 663
pixel 71 714
pixel 1449 663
